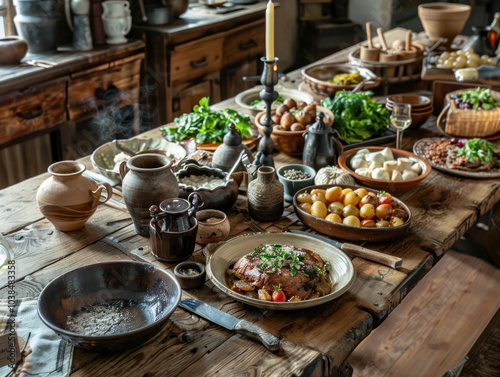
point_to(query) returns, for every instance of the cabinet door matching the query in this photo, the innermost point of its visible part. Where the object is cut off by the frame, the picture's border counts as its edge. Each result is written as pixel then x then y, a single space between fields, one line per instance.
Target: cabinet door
pixel 232 78
pixel 185 96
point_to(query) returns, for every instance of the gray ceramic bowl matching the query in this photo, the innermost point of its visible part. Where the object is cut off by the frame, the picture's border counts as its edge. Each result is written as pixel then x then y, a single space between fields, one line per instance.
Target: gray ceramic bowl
pixel 103 158
pixel 190 281
pixel 291 186
pixel 221 197
pixel 122 303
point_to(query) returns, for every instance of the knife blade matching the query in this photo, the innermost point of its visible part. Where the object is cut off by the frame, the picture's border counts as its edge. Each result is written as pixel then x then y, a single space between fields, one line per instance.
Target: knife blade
pixel 100 178
pixel 241 326
pixel 358 251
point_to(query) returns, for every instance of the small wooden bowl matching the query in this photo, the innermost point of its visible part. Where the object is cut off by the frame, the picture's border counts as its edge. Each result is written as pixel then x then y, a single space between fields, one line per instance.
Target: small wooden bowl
pixel 380 184
pixel 347 232
pixel 290 142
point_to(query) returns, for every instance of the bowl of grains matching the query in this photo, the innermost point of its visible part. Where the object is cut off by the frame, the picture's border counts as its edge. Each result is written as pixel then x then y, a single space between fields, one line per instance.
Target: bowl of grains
pixel 295 177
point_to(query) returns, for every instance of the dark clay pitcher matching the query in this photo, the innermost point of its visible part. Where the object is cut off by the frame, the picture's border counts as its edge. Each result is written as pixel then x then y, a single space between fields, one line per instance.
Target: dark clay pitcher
pixel 173 228
pixel 321 148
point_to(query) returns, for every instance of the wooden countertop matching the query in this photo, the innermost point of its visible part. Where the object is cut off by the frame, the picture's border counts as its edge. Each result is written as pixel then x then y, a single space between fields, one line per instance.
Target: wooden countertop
pixel 317 341
pixel 14 77
pixel 194 24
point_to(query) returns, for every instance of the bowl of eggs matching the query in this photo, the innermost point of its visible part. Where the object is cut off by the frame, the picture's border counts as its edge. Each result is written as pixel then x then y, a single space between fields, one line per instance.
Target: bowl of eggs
pixel 388 169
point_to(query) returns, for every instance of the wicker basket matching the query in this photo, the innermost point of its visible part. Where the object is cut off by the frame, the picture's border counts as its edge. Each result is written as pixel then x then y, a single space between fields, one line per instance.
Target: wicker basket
pixel 467 122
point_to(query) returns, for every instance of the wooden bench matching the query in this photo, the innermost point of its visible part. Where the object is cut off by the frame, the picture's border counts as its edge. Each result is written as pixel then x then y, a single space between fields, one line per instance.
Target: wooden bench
pixel 433 329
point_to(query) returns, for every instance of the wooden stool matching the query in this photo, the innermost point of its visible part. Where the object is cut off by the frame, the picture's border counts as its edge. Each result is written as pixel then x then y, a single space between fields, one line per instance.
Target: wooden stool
pixel 436 324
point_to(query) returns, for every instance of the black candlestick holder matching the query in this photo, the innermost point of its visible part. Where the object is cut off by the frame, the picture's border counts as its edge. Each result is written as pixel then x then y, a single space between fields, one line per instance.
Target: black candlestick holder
pixel 269 79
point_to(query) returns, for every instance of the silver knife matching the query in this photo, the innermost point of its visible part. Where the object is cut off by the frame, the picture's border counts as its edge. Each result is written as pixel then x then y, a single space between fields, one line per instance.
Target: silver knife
pixel 100 178
pixel 241 326
pixel 358 251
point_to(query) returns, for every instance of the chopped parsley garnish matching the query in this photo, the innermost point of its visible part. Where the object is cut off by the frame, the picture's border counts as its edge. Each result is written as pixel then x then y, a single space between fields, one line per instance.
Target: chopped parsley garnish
pixel 274 257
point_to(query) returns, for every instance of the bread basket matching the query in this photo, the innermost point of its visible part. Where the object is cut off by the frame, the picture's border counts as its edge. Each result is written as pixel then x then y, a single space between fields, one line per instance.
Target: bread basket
pixel 468 122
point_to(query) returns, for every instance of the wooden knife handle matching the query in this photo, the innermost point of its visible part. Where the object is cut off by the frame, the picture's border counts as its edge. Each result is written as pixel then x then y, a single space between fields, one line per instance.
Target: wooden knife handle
pixel 375 256
pixel 271 342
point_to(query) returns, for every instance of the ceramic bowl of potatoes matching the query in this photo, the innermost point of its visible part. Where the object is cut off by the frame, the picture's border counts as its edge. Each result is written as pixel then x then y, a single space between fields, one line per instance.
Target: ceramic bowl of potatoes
pixel 290 122
pixel 389 169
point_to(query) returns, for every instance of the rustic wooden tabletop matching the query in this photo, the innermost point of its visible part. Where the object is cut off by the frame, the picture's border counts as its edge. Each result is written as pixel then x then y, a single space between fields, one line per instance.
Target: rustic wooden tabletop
pixel 316 341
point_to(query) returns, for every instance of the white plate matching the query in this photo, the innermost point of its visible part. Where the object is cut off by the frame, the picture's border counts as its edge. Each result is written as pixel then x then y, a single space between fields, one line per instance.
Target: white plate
pixel 244 99
pixel 342 273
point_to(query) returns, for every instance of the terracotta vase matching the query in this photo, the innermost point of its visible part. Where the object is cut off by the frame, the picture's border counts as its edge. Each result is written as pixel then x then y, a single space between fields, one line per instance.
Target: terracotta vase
pixel 12 49
pixel 147 180
pixel 68 199
pixel 265 195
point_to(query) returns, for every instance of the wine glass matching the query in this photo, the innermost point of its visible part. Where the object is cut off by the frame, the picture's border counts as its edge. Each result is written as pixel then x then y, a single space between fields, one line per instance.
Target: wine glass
pixel 401 120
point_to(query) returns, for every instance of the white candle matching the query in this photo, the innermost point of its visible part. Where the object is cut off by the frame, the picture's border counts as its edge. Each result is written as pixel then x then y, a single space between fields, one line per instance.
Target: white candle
pixel 270 31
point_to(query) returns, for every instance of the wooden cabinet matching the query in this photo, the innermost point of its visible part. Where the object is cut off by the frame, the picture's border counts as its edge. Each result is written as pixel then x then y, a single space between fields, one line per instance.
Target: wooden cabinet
pixel 32 110
pixel 199 58
pixel 47 114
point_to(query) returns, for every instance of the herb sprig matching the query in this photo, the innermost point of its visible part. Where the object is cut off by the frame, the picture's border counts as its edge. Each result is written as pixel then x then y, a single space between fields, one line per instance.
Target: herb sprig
pixel 207 125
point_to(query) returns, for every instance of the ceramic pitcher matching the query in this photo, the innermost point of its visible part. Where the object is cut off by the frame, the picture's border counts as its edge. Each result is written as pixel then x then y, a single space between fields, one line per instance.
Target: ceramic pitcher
pixel 173 228
pixel 117 20
pixel 147 180
pixel 266 195
pixel 67 199
pixel 115 9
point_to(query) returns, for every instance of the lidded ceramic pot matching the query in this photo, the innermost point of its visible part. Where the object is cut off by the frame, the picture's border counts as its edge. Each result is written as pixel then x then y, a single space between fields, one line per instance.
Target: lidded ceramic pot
pixel 67 199
pixel 147 180
pixel 265 195
pixel 173 228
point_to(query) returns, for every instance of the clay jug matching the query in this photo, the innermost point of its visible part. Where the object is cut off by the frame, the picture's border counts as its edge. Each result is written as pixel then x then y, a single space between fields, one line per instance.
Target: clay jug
pixel 265 195
pixel 147 180
pixel 67 199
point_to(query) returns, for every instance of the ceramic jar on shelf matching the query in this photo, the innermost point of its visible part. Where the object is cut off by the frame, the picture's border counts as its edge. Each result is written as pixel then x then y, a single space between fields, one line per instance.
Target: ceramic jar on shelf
pixel 117 20
pixel 39 22
pixel 67 199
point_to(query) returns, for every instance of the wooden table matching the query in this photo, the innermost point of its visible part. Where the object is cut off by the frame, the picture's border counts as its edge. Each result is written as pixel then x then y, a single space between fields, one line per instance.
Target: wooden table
pixel 317 341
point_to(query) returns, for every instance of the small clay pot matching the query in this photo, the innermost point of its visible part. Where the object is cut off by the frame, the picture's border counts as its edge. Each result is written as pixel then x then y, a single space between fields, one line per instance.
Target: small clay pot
pixel 12 50
pixel 216 229
pixel 190 281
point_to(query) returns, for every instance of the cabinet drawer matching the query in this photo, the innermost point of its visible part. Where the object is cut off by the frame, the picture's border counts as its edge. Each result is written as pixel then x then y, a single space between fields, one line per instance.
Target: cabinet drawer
pixel 196 59
pixel 245 42
pixel 108 86
pixel 33 109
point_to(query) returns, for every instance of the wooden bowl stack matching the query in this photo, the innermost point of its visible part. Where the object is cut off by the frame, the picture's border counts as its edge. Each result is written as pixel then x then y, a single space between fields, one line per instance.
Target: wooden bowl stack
pixel 421 107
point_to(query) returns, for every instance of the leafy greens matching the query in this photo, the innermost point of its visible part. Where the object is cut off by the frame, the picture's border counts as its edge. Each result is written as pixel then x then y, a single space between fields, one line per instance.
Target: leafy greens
pixel 207 125
pixel 479 149
pixel 356 116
